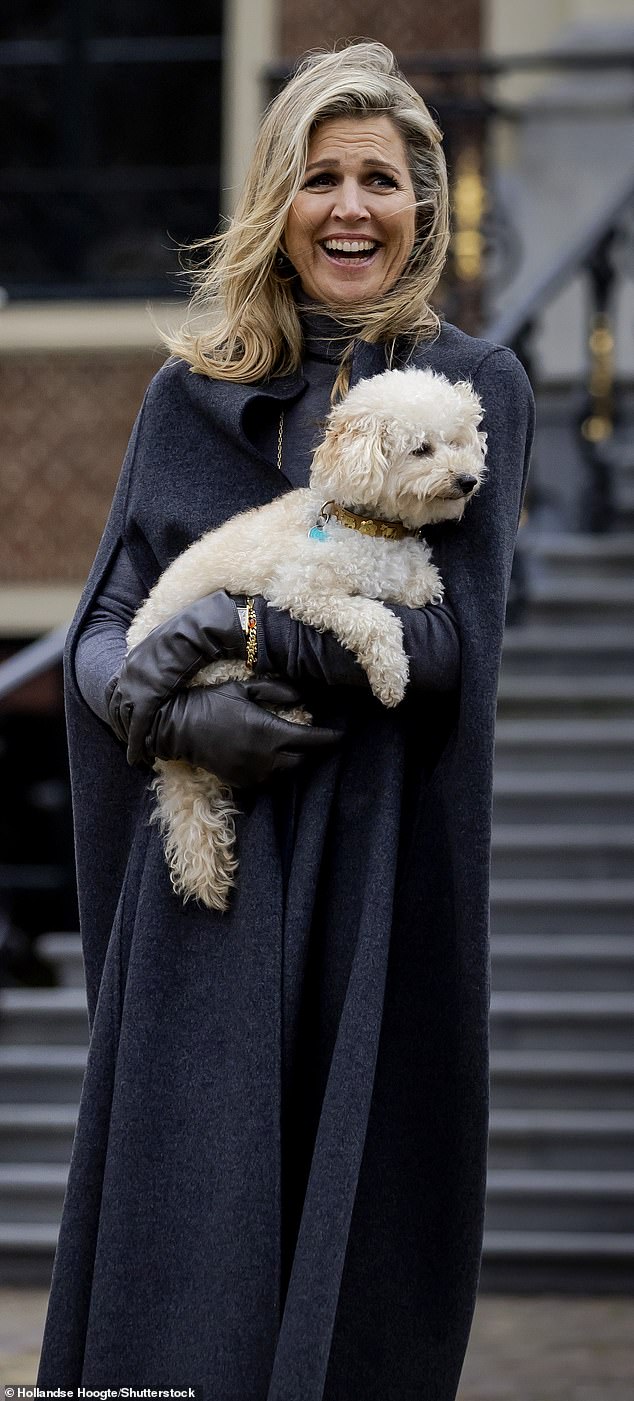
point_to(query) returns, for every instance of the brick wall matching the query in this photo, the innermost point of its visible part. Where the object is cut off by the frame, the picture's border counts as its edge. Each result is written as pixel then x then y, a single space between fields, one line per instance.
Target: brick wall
pixel 405 26
pixel 65 420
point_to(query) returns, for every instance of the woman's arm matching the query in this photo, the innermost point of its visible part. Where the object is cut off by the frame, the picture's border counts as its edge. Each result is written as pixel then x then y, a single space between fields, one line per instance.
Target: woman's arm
pixel 102 645
pixel 229 729
pixel 301 653
pixel 291 649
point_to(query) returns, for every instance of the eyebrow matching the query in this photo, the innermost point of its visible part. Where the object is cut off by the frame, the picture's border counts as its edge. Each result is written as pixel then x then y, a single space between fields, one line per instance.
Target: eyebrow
pixel 372 164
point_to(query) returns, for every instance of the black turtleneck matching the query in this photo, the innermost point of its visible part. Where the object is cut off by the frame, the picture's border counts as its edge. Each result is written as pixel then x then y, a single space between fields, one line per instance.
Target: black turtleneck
pixel 324 343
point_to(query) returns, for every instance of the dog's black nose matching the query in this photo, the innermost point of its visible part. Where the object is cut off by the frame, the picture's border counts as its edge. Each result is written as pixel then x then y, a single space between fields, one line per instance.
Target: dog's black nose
pixel 466 483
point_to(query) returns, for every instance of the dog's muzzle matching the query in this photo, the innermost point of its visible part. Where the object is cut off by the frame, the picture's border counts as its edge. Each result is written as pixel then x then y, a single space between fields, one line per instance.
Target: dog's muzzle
pixel 466 483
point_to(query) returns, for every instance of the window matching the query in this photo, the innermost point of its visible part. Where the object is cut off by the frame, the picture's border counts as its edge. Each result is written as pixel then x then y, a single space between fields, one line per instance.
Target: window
pixel 109 143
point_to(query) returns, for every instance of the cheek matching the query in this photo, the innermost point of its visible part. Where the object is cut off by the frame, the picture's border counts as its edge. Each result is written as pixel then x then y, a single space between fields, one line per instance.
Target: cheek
pixel 408 228
pixel 297 224
pixel 402 233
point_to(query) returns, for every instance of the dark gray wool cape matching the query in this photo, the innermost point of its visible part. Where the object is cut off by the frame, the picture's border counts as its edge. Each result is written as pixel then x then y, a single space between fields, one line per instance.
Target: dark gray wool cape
pixel 192 1196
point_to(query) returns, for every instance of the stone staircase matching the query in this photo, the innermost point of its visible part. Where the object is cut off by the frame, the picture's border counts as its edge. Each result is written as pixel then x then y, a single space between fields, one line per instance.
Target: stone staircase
pixel 560 1205
pixel 560 1211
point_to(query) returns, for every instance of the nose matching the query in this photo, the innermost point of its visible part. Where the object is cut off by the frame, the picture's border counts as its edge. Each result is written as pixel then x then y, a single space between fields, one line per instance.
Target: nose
pixel 465 483
pixel 350 203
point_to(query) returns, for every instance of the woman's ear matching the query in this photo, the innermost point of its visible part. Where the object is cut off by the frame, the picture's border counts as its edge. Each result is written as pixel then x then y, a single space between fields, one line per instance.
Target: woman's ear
pixel 350 463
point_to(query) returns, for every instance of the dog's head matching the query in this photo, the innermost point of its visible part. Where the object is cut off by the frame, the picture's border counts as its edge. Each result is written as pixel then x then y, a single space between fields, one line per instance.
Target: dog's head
pixel 403 446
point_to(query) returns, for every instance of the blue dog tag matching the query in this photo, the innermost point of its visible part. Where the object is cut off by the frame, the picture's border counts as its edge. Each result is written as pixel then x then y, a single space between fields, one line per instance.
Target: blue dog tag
pixel 318 532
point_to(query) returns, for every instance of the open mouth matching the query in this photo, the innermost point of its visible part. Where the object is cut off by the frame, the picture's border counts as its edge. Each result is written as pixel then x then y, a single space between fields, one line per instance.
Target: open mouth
pixel 350 250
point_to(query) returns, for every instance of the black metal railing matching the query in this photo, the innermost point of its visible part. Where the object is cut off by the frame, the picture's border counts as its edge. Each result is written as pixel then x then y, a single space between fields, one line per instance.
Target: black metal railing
pixel 592 254
pixel 32 661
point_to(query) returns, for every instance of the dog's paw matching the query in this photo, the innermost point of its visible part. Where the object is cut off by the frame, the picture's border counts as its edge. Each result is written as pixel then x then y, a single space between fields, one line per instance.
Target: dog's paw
pixel 429 589
pixel 388 683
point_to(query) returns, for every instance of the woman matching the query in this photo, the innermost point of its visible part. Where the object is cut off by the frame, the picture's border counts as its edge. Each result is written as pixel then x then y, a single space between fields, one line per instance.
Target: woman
pixel 277 1181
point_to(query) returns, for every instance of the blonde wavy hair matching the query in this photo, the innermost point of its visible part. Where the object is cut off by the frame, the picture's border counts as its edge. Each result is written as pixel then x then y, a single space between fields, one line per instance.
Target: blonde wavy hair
pixel 243 302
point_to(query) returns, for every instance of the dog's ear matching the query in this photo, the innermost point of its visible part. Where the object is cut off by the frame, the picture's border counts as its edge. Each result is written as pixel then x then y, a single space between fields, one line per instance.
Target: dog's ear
pixel 350 462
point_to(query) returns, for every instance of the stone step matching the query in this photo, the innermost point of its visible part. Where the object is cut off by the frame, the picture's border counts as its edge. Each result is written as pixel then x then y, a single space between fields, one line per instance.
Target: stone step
pixel 57 1018
pixel 624 501
pixel 548 1200
pixel 600 1140
pixel 32 1192
pixel 37 1016
pixel 585 852
pixel 578 599
pixel 603 745
pixel 26 1254
pixel 562 906
pixel 596 556
pixel 40 1133
pixel 41 1073
pixel 535 649
pixel 551 796
pixel 562 963
pixel 521 1261
pixel 517 1199
pixel 63 950
pixel 562 1079
pixel 532 1198
pixel 592 696
pixel 558 1021
pixel 558 1262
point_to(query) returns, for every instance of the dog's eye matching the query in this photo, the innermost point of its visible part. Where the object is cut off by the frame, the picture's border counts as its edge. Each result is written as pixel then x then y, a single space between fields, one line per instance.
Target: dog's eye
pixel 423 451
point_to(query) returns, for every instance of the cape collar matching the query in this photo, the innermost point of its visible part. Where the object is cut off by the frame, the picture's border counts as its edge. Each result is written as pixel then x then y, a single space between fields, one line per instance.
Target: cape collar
pixel 367 360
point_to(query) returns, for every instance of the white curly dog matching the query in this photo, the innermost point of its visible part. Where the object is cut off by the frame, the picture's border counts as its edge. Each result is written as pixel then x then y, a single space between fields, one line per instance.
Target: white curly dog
pixel 402 447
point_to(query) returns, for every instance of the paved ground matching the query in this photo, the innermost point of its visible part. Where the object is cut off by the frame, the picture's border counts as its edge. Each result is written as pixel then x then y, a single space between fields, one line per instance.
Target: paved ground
pixel 522 1349
pixel 550 1349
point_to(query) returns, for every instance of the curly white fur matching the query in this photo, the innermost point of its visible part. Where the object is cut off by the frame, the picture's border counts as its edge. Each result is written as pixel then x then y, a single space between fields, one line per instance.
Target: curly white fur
pixel 395 449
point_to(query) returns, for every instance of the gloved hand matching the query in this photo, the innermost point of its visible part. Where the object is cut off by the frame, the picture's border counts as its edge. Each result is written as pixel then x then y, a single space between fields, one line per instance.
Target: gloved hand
pixel 226 729
pixel 173 652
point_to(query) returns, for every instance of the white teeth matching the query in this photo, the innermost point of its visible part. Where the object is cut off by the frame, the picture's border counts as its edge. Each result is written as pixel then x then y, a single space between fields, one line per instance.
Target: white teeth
pixel 347 245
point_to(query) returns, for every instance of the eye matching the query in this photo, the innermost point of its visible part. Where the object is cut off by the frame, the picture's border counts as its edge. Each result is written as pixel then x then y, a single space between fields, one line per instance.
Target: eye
pixel 424 450
pixel 322 178
pixel 380 178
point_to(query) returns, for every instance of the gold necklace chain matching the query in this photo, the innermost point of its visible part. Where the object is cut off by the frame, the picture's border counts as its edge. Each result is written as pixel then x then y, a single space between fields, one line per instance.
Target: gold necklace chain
pixel 249 619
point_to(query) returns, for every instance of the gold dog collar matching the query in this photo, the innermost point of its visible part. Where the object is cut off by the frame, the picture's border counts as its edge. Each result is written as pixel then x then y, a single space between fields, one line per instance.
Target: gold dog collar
pixel 390 530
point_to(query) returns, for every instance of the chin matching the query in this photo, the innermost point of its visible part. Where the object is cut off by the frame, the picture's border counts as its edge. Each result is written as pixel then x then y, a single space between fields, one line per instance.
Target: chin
pixel 444 509
pixel 346 292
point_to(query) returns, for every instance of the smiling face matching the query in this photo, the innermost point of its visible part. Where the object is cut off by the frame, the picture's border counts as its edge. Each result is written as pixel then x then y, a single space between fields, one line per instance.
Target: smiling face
pixel 351 227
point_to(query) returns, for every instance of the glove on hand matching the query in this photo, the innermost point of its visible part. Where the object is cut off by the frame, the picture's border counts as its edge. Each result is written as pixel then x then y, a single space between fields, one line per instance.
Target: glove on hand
pixel 226 730
pixel 173 652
